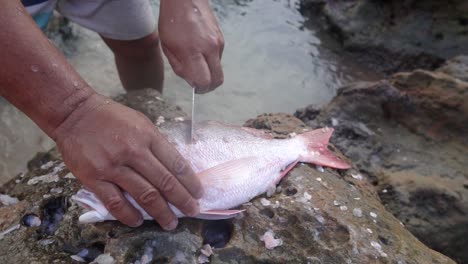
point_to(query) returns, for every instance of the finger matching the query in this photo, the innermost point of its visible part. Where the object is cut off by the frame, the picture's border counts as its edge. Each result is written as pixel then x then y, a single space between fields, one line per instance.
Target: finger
pixel 167 184
pixel 217 76
pixel 175 63
pixel 116 203
pixel 147 196
pixel 177 165
pixel 197 73
pixel 221 45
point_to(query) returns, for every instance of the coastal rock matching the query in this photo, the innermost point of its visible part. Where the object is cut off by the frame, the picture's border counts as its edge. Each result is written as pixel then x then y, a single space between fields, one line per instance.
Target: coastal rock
pixel 396 35
pixel 305 217
pixel 407 135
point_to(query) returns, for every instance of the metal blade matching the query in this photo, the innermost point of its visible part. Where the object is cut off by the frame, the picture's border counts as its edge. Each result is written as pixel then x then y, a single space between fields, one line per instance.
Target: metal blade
pixel 192 122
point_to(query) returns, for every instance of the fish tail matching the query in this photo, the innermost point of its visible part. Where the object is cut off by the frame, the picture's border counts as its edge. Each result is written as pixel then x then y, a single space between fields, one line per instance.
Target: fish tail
pixel 317 151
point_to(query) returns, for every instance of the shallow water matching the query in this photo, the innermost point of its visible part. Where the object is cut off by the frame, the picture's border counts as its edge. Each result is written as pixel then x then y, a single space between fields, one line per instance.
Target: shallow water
pixel 274 61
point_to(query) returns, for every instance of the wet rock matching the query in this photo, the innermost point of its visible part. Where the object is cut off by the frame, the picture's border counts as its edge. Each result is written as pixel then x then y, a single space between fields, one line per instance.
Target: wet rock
pixel 302 214
pixel 417 155
pixel 280 124
pixel 395 35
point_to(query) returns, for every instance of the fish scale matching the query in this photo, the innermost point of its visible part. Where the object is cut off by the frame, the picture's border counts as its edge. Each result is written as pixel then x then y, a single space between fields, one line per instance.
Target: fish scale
pixel 234 164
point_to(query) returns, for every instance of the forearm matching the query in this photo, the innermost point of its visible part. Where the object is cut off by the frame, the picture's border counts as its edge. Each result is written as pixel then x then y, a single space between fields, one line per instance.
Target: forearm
pixel 34 75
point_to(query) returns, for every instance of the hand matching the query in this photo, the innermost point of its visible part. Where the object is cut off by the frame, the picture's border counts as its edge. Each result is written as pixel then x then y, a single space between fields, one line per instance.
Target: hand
pixel 111 148
pixel 192 41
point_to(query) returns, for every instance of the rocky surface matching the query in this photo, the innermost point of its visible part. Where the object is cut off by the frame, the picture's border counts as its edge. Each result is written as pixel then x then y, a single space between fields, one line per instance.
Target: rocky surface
pixel 396 35
pixel 317 215
pixel 408 135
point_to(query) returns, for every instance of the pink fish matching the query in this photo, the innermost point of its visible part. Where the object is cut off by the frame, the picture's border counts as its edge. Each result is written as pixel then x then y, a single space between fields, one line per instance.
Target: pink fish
pixel 234 164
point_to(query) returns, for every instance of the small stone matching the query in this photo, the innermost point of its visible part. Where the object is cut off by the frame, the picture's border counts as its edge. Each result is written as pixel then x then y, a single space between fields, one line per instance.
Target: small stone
pixel 374 215
pixel 343 208
pixel 320 168
pixel 357 212
pixel 69 176
pixel 203 259
pixel 206 250
pixel 336 203
pixel 369 230
pixel 270 241
pixel 47 241
pixel 319 179
pixel 265 202
pixel 334 122
pixel 160 120
pixel 384 191
pixel 48 178
pixel 291 135
pixel 77 258
pixel 357 198
pixel 307 196
pixel 357 176
pixel 179 119
pixel 56 190
pixel 104 259
pixel 320 219
pixel 6 199
pixel 47 165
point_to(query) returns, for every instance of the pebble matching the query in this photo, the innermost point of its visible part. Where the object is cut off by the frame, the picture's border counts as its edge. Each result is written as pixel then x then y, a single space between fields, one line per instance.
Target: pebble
pixel 8 230
pixel 374 215
pixel 104 259
pixel 357 212
pixel 319 179
pixel 6 199
pixel 369 230
pixel 334 122
pixel 320 168
pixel 270 241
pixel 47 165
pixel 56 190
pixel 343 208
pixel 384 191
pixel 307 196
pixel 48 178
pixel 357 176
pixel 160 120
pixel 265 202
pixel 69 176
pixel 206 250
pixel 179 119
pixel 336 203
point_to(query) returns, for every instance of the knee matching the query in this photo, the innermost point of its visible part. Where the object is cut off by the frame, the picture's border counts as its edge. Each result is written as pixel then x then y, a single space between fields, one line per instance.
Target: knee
pixel 139 49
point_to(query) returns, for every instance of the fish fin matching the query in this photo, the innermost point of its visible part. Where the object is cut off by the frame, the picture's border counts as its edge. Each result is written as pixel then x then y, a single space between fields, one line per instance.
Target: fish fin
pixel 218 214
pixel 227 172
pixel 89 201
pixel 317 152
pixel 287 169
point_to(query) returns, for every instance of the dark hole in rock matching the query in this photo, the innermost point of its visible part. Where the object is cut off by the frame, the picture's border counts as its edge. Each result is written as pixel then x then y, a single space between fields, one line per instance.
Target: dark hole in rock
pixel 86 253
pixel 290 191
pixel 89 254
pixel 463 21
pixel 217 233
pixel 111 234
pixel 268 212
pixel 465 185
pixel 383 240
pixel 52 214
pixel 31 220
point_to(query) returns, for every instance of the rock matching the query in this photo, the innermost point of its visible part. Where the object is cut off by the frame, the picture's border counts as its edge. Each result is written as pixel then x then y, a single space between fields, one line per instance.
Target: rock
pixel 302 214
pixel 456 67
pixel 396 35
pixel 417 155
pixel 280 124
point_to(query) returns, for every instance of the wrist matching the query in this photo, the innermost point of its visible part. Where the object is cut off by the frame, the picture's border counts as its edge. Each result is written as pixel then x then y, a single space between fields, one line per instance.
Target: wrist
pixel 81 105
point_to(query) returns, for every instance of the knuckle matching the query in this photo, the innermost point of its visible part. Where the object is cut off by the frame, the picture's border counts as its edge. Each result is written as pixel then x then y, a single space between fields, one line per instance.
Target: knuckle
pixel 168 183
pixel 114 204
pixel 149 197
pixel 179 166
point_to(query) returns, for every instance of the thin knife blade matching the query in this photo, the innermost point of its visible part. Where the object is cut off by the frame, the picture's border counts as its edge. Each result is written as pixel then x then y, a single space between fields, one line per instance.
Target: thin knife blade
pixel 192 122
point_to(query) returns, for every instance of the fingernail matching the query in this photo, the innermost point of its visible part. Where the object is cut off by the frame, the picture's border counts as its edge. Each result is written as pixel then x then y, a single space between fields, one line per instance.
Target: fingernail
pixel 172 225
pixel 139 222
pixel 194 210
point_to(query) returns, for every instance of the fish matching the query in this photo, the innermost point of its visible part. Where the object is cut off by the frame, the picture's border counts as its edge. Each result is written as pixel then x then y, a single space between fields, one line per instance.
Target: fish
pixel 233 163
